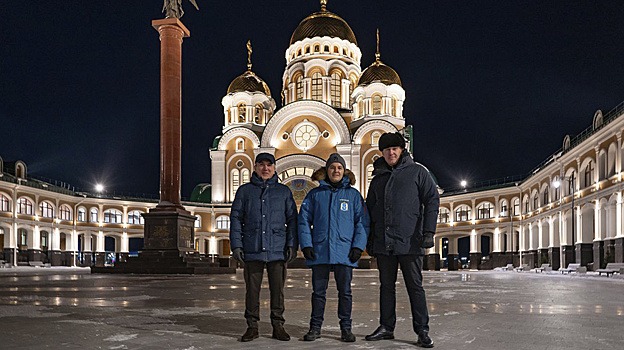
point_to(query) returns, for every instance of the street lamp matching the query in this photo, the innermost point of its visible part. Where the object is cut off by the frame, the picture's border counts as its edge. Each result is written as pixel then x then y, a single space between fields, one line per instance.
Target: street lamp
pixel 463 184
pixel 99 188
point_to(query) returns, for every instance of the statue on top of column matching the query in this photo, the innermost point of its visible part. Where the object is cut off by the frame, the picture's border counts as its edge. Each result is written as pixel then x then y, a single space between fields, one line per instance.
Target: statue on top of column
pixel 173 8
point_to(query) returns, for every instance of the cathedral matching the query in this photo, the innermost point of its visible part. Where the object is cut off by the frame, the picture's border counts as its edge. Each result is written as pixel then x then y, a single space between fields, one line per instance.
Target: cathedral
pixel 330 104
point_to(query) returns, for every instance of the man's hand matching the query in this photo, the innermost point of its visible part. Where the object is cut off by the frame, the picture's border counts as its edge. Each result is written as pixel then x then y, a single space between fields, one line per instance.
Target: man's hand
pixel 427 241
pixel 355 254
pixel 291 254
pixel 238 255
pixel 308 253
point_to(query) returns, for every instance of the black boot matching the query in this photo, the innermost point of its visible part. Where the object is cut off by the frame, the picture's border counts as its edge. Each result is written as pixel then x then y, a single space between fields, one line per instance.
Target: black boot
pixel 279 333
pixel 423 340
pixel 380 333
pixel 347 336
pixel 313 334
pixel 250 334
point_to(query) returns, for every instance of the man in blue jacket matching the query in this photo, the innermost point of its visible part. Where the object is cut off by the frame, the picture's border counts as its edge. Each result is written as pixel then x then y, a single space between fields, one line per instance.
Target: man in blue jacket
pixel 263 232
pixel 333 229
pixel 403 202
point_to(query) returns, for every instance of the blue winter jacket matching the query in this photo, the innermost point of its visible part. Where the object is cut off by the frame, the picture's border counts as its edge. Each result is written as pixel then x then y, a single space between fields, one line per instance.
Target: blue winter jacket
pixel 333 220
pixel 263 220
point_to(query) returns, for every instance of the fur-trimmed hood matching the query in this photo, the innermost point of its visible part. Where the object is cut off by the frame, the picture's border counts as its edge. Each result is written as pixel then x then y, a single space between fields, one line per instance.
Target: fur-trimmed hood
pixel 321 175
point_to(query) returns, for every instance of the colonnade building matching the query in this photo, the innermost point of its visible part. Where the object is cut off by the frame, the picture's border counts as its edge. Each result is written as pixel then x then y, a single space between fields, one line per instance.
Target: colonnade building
pixel 568 210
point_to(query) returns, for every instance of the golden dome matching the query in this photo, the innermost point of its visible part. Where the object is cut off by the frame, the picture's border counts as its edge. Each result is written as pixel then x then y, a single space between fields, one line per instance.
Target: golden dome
pixel 379 72
pixel 249 82
pixel 323 23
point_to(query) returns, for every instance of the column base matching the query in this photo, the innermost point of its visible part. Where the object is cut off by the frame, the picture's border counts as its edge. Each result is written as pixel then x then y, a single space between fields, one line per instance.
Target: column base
pixel 475 261
pixel 451 262
pixel 499 259
pixel 598 256
pixel 55 257
pixel 100 259
pixel 87 259
pixel 584 253
pixel 9 255
pixel 70 259
pixel 554 256
pixel 529 258
pixel 35 255
pixel 618 247
pixel 543 257
pixel 433 262
pixel 567 255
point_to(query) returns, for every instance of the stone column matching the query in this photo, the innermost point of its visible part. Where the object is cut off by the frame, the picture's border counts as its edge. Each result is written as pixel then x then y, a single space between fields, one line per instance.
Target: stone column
pixel 598 249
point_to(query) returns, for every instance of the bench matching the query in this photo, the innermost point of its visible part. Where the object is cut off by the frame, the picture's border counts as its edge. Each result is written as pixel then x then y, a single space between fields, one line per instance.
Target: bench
pixel 571 268
pixel 611 268
pixel 35 263
pixel 524 267
pixel 509 267
pixel 544 267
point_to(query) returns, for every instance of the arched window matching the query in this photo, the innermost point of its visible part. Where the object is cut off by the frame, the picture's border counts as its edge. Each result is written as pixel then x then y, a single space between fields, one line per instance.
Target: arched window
pixel 82 214
pixel 376 104
pixel 65 213
pixel 223 222
pixel 504 208
pixel 135 218
pixel 20 172
pixel 44 240
pixel 369 175
pixel 23 236
pixel 485 210
pixel 571 183
pixel 299 87
pixel 234 183
pixel 462 213
pixel 317 48
pixel 112 216
pixel 395 107
pixel 242 113
pixel 24 206
pixel 46 209
pixel 244 176
pixel 516 206
pixel 375 138
pixel 5 204
pixel 307 50
pixel 240 144
pixel 336 85
pixel 317 87
pixel 258 114
pixel 535 201
pixel 589 172
pixel 443 215
pixel 93 215
pixel 545 196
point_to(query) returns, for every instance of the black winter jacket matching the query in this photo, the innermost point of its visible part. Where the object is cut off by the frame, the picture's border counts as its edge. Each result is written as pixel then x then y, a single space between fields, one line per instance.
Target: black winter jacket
pixel 403 203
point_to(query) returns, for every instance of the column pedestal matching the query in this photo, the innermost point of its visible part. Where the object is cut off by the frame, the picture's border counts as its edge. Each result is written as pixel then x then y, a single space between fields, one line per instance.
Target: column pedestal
pixel 100 259
pixel 584 253
pixel 554 256
pixel 35 255
pixel 433 262
pixel 529 258
pixel 475 261
pixel 598 255
pixel 9 255
pixel 451 260
pixel 543 257
pixel 609 250
pixel 71 258
pixel 87 258
pixel 618 247
pixel 56 257
pixel 567 253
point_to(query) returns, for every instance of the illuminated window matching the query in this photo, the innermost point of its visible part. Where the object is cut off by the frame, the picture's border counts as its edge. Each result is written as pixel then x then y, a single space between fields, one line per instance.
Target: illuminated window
pixel 44 240
pixel 113 216
pixel 23 235
pixel 65 213
pixel 589 172
pixel 242 113
pixel 94 213
pixel 82 214
pixel 244 176
pixel 369 175
pixel 299 87
pixel 135 218
pixel 462 213
pixel 234 183
pixel 317 87
pixel 516 206
pixel 336 82
pixel 485 211
pixel 504 208
pixel 258 114
pixel 46 210
pixel 240 144
pixel 306 135
pixel 443 215
pixel 377 104
pixel 545 197
pixel 5 205
pixel 223 222
pixel 198 221
pixel 375 138
pixel 24 206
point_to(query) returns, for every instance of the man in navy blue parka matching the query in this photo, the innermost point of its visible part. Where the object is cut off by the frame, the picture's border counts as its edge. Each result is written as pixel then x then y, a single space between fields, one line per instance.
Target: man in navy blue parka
pixel 333 231
pixel 263 232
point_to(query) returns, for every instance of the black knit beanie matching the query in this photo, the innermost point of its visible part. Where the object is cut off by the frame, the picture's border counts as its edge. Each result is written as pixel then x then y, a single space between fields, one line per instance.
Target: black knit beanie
pixel 391 139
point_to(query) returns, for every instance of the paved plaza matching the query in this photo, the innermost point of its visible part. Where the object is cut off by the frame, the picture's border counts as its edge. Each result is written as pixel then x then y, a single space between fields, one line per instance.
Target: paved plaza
pixel 65 308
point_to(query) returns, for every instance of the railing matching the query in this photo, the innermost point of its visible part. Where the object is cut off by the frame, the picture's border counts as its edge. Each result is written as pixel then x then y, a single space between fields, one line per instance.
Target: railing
pixel 486 185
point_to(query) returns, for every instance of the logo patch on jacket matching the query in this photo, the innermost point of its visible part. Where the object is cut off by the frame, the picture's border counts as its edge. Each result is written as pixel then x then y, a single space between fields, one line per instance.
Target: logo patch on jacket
pixel 344 204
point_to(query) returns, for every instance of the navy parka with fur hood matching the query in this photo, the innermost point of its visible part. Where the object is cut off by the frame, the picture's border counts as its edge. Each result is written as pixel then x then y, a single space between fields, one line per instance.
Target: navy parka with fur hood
pixel 332 220
pixel 263 220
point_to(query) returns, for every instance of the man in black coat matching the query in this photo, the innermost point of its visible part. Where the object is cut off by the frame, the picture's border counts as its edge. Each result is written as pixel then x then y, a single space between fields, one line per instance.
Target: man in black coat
pixel 403 203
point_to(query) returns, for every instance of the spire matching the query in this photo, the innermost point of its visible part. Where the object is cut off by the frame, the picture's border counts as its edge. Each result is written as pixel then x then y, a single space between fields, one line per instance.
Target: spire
pixel 377 54
pixel 323 5
pixel 249 51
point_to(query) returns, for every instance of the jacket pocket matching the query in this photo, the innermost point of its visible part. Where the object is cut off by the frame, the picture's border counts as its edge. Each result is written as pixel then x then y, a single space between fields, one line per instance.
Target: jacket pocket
pixel 319 236
pixel 252 240
pixel 278 240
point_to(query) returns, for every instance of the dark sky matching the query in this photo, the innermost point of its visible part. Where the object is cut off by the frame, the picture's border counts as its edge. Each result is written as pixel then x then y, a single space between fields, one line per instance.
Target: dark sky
pixel 492 87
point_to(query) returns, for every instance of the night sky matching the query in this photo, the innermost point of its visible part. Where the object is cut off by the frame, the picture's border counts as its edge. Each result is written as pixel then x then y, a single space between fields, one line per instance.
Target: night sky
pixel 492 87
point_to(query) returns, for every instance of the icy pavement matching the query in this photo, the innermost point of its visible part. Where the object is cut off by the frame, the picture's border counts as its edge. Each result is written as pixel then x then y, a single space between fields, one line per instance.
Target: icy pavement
pixel 64 308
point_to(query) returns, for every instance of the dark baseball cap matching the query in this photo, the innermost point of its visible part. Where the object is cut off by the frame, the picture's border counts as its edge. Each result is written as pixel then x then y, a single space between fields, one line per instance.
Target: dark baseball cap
pixel 265 156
